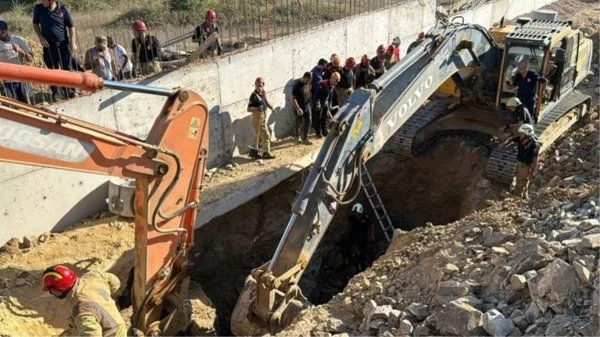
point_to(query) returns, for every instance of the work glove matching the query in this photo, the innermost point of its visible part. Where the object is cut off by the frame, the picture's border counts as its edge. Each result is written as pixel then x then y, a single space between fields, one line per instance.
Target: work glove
pixel 299 112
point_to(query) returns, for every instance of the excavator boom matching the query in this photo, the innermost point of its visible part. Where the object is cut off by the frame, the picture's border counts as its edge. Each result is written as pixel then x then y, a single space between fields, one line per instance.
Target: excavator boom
pixel 271 296
pixel 168 167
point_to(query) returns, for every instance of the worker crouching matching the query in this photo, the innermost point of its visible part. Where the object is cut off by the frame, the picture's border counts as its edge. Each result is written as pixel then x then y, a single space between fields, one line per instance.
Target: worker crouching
pixel 93 311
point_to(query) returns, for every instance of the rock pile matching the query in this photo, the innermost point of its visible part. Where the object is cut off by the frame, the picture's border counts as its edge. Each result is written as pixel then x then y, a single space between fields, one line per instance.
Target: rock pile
pixel 516 268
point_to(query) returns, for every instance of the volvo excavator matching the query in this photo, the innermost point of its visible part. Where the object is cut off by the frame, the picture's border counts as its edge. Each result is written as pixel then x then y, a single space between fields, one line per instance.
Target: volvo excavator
pixel 454 79
pixel 168 168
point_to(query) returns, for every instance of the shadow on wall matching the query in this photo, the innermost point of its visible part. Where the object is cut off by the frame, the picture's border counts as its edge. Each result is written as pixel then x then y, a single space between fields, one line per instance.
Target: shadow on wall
pixel 281 121
pixel 92 203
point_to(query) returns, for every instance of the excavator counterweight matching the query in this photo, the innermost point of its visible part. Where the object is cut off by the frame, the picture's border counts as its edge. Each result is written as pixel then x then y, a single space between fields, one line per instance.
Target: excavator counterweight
pixel 168 168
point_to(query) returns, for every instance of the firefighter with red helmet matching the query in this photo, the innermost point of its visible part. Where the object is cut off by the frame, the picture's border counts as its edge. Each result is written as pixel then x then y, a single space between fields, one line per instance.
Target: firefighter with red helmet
pixel 347 82
pixel 93 311
pixel 205 30
pixel 258 105
pixel 378 62
pixel 146 50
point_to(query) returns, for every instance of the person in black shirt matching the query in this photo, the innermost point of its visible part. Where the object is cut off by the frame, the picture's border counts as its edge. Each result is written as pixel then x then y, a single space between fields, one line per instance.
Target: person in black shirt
pixel 527 157
pixel 301 103
pixel 54 28
pixel 347 82
pixel 361 232
pixel 527 81
pixel 146 50
pixel 520 115
pixel 323 103
pixel 205 30
pixel 378 62
pixel 364 72
pixel 258 105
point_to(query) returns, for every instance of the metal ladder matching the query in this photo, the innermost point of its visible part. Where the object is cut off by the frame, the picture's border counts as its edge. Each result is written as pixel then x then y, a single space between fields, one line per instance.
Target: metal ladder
pixel 375 200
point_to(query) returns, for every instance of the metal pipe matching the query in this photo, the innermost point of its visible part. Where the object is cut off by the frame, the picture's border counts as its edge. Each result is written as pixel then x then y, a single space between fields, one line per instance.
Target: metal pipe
pixel 139 88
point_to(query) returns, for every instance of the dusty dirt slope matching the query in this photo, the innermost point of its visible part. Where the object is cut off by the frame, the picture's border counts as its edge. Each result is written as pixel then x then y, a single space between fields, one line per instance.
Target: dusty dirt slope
pixel 101 244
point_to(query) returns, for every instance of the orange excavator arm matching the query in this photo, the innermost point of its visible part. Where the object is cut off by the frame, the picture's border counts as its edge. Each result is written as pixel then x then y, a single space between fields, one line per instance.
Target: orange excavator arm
pixel 168 167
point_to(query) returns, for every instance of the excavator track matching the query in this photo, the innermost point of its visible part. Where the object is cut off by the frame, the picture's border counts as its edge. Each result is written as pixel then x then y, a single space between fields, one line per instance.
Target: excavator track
pixel 502 162
pixel 403 141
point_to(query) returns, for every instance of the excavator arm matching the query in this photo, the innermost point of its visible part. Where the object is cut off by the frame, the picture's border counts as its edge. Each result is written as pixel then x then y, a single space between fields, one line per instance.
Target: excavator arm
pixel 168 168
pixel 271 297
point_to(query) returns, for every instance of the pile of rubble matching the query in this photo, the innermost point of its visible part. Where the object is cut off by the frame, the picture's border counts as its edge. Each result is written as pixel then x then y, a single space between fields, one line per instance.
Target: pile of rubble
pixel 516 268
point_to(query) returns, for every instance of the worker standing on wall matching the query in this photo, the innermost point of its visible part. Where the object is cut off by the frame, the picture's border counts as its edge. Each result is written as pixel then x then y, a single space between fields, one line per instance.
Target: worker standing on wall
pixel 258 105
pixel 54 28
pixel 146 50
pixel 396 43
pixel 205 30
pixel 88 298
pixel 527 157
pixel 301 102
pixel 14 50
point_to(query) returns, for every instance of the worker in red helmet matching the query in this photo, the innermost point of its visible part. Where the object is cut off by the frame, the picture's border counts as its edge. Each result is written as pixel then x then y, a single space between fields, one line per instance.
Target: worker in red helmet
pixel 347 82
pixel 258 105
pixel 378 62
pixel 389 57
pixel 205 30
pixel 88 299
pixel 146 50
pixel 365 74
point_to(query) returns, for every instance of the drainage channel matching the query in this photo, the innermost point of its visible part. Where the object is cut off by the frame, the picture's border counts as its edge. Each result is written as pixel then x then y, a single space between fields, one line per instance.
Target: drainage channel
pixel 439 187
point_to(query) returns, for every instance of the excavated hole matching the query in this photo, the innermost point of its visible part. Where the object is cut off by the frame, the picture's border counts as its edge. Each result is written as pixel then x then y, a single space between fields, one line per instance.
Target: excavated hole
pixel 438 187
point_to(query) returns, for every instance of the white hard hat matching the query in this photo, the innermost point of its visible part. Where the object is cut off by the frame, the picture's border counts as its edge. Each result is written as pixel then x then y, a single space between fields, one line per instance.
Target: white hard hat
pixel 526 129
pixel 396 40
pixel 358 208
pixel 513 102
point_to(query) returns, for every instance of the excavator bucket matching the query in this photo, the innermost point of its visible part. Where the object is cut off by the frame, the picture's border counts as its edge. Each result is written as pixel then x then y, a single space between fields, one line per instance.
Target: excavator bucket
pixel 242 322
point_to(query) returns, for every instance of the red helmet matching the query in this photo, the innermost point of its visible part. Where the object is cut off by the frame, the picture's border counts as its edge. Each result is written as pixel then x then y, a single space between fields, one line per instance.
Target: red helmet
pixel 350 63
pixel 259 80
pixel 211 14
pixel 421 36
pixel 58 278
pixel 390 49
pixel 139 26
pixel 364 60
pixel 381 48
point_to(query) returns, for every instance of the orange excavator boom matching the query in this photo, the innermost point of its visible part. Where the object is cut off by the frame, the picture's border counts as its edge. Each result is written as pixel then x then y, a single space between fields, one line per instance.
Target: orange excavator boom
pixel 168 167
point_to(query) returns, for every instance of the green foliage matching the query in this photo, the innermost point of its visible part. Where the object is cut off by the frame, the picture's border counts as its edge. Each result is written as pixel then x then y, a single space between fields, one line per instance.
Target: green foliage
pixel 190 5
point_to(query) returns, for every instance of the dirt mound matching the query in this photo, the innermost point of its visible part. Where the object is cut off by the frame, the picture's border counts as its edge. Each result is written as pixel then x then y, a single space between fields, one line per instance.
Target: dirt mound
pixel 516 267
pixel 101 244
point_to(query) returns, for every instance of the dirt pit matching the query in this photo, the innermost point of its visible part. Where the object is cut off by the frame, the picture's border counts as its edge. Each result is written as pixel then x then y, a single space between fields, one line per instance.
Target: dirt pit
pixel 439 187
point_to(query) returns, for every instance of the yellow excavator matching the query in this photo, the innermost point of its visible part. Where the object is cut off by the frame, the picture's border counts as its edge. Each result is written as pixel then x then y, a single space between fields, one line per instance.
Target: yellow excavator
pixel 452 79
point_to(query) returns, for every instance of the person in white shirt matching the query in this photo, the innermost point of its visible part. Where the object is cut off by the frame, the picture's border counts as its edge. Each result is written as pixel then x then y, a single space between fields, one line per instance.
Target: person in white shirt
pixel 101 60
pixel 14 50
pixel 124 65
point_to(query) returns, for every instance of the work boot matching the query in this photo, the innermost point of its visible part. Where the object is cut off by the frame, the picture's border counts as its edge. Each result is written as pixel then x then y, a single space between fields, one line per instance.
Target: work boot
pixel 306 142
pixel 268 155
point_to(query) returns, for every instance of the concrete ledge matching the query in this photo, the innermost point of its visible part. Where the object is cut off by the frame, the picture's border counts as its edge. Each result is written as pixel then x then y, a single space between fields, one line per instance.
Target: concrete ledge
pixel 227 197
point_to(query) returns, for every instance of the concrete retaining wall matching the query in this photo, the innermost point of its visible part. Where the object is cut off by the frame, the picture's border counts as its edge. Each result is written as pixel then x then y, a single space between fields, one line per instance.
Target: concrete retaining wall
pixel 34 200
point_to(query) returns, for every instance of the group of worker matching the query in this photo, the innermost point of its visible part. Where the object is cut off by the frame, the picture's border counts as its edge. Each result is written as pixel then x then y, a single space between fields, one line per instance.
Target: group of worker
pixel 55 30
pixel 319 93
pixel 521 130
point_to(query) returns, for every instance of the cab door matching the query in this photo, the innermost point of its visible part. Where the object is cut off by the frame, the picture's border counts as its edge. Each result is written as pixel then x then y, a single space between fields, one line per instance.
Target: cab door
pixel 570 46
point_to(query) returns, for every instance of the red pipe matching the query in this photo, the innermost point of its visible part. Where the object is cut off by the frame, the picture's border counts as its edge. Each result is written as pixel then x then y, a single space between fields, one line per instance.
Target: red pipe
pixel 18 73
